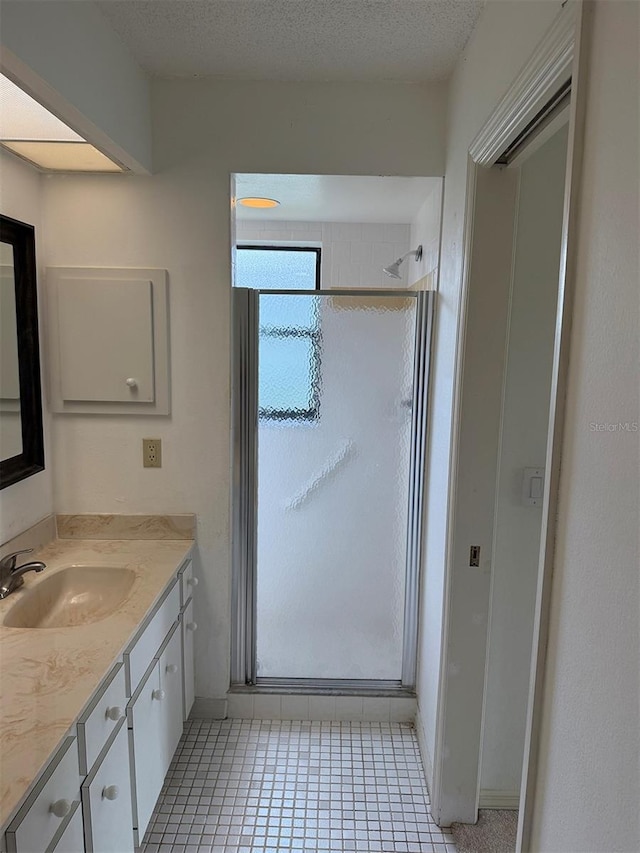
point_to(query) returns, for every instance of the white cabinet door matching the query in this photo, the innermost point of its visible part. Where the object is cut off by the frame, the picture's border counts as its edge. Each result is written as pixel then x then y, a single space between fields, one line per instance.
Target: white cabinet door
pixel 171 684
pixel 106 800
pixel 146 718
pixel 188 630
pixel 72 839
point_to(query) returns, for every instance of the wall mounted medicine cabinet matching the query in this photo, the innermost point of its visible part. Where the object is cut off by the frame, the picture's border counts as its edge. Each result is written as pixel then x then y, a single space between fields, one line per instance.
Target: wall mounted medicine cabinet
pixel 109 341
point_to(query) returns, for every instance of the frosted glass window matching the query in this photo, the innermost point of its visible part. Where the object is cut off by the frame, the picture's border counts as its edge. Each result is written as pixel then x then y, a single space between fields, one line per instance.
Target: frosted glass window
pixel 288 346
pixel 287 365
pixel 277 268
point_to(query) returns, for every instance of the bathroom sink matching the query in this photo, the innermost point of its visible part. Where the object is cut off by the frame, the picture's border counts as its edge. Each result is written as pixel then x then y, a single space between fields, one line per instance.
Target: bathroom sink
pixel 75 595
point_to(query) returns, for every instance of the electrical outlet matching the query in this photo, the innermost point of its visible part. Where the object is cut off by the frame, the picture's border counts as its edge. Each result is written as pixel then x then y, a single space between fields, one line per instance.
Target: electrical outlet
pixel 152 453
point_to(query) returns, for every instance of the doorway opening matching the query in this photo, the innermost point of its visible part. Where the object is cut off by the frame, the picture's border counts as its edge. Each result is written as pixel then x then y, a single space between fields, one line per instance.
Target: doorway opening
pixel 511 374
pixel 330 380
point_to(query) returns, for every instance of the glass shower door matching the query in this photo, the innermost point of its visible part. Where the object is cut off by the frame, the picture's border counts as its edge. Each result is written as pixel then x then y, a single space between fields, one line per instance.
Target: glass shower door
pixel 335 391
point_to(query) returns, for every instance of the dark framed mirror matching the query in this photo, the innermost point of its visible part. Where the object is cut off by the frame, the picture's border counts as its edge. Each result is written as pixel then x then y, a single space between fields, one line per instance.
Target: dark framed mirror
pixel 21 436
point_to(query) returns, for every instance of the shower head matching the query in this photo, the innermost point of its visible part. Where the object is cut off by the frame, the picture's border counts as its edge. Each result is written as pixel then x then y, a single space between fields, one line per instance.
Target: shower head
pixel 393 270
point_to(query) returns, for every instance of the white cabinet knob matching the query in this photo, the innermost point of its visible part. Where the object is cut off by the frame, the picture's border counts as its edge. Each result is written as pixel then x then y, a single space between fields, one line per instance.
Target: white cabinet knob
pixel 110 792
pixel 132 383
pixel 171 667
pixel 192 582
pixel 158 694
pixel 60 808
pixel 192 626
pixel 116 713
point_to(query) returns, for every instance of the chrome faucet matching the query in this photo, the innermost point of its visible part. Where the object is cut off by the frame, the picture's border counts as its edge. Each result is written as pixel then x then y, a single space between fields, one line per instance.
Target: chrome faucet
pixel 11 576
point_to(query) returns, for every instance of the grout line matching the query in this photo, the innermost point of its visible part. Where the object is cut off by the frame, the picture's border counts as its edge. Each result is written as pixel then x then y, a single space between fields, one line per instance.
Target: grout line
pixel 266 785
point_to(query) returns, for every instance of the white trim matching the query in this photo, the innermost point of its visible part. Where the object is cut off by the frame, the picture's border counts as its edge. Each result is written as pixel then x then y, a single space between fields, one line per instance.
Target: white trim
pixel 548 68
pixel 494 534
pixel 454 441
pixel 566 285
pixel 489 799
pixel 541 137
pixel 427 762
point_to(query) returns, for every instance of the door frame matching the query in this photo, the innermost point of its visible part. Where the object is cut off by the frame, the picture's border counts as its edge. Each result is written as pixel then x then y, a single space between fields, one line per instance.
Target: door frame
pixel 561 55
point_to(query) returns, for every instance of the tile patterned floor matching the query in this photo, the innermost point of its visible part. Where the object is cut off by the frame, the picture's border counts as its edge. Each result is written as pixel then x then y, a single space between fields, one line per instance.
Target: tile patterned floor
pixel 265 786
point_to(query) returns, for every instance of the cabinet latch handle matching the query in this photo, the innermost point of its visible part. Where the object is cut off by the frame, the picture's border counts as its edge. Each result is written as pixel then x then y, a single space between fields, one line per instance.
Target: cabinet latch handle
pixel 115 713
pixel 60 808
pixel 110 792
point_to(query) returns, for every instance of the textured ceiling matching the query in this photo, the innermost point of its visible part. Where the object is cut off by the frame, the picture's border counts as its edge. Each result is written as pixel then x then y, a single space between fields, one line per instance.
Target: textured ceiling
pixel 332 40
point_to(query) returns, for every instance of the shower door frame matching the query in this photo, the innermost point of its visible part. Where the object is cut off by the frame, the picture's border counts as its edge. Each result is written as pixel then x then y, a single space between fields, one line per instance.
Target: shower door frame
pixel 244 494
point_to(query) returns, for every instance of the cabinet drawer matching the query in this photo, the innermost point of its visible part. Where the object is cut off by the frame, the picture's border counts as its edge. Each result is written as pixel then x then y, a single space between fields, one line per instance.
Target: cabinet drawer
pixel 71 838
pixel 187 583
pixel 99 721
pixel 144 648
pixel 52 800
pixel 106 799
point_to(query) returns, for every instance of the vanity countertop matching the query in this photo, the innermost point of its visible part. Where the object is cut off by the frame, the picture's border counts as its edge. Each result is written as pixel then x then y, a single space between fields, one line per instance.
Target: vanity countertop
pixel 48 675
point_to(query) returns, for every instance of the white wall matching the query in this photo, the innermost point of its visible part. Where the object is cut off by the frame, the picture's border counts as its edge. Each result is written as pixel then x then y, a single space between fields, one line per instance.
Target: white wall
pixel 504 37
pixel 588 776
pixel 77 66
pixel 426 229
pixel 525 416
pixel 301 128
pixel 30 500
pixel 179 219
pixel 353 253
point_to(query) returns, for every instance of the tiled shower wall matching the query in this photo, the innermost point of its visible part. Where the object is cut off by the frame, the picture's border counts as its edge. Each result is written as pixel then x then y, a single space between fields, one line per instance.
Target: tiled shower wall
pixel 353 253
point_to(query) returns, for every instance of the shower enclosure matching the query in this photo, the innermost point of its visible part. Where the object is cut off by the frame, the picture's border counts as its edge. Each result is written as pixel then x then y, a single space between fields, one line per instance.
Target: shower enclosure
pixel 329 420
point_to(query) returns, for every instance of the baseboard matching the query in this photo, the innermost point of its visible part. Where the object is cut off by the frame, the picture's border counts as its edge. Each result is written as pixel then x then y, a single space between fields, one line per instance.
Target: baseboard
pixel 499 800
pixel 208 709
pixel 320 708
pixel 427 761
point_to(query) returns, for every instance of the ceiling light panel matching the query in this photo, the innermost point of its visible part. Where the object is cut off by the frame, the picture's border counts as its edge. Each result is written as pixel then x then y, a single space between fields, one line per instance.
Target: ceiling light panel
pixel 29 130
pixel 63 156
pixel 23 118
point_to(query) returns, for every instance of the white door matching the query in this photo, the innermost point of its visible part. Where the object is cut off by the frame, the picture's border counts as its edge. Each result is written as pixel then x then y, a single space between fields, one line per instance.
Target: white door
pixel 106 801
pixel 146 714
pixel 171 684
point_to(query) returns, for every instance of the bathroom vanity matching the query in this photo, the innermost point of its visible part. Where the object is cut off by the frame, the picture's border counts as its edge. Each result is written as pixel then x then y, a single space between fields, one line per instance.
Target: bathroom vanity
pixel 97 679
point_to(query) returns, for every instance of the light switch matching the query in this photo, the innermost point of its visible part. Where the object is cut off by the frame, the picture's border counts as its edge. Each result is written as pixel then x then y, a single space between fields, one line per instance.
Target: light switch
pixel 533 486
pixel 536 487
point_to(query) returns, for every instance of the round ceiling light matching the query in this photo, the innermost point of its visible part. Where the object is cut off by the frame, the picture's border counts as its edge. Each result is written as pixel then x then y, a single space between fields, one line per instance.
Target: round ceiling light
pixel 255 201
